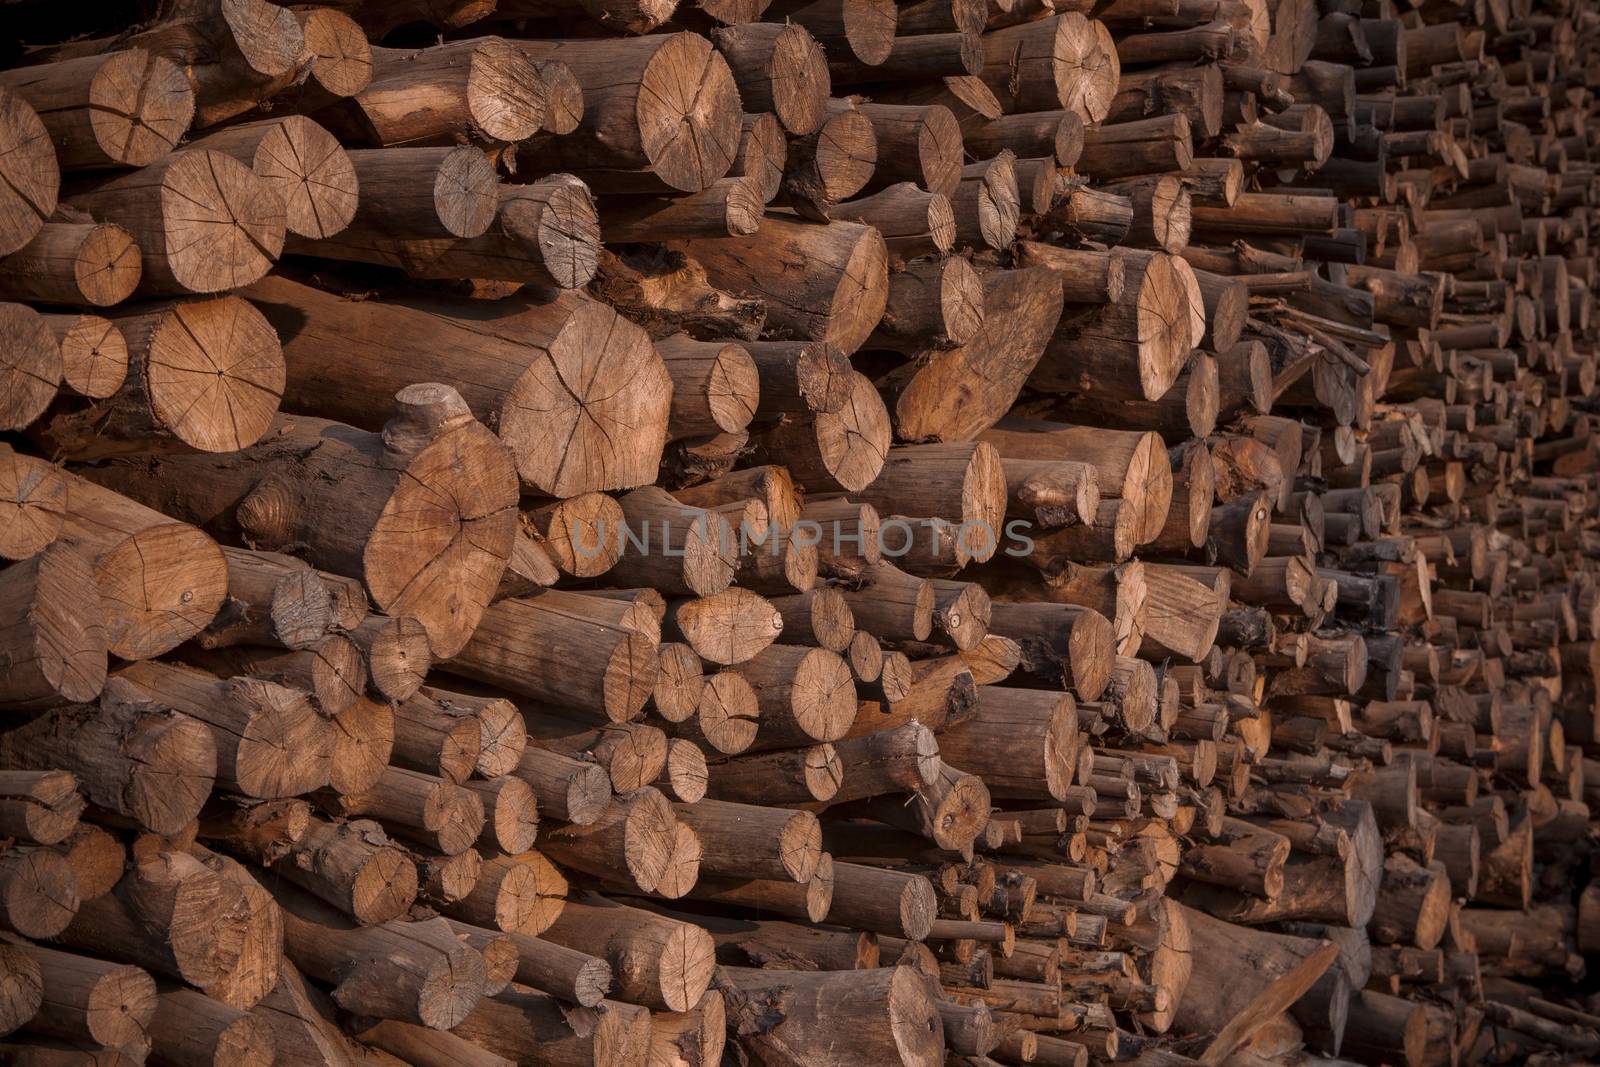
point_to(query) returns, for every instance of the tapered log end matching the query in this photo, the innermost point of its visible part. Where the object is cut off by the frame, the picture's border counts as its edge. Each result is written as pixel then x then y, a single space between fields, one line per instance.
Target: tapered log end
pixel 107 270
pixel 648 838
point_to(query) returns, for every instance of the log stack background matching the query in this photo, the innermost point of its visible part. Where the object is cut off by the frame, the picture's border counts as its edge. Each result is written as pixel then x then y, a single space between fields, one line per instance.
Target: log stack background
pixel 828 532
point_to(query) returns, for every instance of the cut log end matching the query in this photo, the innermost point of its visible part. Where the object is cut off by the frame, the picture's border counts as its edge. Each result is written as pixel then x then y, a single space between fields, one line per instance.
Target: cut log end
pixel 94 352
pixel 141 105
pixel 33 178
pixel 30 366
pixel 306 167
pixel 341 57
pixel 689 113
pixel 222 227
pixel 449 525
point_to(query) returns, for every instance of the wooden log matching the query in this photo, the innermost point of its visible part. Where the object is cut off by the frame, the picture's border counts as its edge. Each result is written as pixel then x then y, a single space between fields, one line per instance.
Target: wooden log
pixel 482 89
pixel 1149 332
pixel 1065 61
pixel 987 203
pixel 302 163
pixel 270 741
pixel 945 397
pixel 521 1025
pixel 125 108
pixel 194 1030
pixel 745 839
pixel 82 263
pixel 92 1002
pixel 838 298
pixel 804 695
pixel 546 233
pixel 94 353
pixel 172 915
pixel 1056 134
pixel 30 366
pixel 351 866
pixel 432 447
pixel 900 1022
pixel 202 375
pixel 516 893
pixel 655 960
pixel 631 842
pixel 637 118
pixel 203 222
pixel 148 764
pixel 931 303
pixel 516 384
pixel 779 68
pixel 55 644
pixel 30 197
pixel 1066 645
pixel 762 155
pixel 840 450
pixel 715 386
pixel 416 972
pixel 1021 743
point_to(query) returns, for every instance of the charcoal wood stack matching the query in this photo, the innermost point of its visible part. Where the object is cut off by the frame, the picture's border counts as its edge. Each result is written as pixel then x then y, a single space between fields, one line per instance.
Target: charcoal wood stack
pixel 827 532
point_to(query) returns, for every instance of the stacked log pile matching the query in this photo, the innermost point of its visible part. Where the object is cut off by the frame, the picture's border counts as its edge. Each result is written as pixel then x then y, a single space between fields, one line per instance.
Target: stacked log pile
pixel 828 532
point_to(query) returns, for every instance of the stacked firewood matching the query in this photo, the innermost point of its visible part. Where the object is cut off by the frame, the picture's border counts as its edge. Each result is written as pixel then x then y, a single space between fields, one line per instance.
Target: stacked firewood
pixel 648 533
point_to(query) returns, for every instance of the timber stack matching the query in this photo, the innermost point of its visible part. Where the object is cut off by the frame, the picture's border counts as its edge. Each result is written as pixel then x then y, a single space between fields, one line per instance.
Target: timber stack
pixel 653 533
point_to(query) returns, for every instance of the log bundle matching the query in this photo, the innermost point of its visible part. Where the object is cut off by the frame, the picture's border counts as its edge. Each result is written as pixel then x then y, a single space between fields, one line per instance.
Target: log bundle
pixel 596 534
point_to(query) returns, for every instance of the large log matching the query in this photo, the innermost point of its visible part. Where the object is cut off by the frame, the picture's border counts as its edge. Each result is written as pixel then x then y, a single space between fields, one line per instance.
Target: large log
pixel 658 111
pixel 432 460
pixel 837 296
pixel 514 369
pixel 202 375
pixel 203 221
